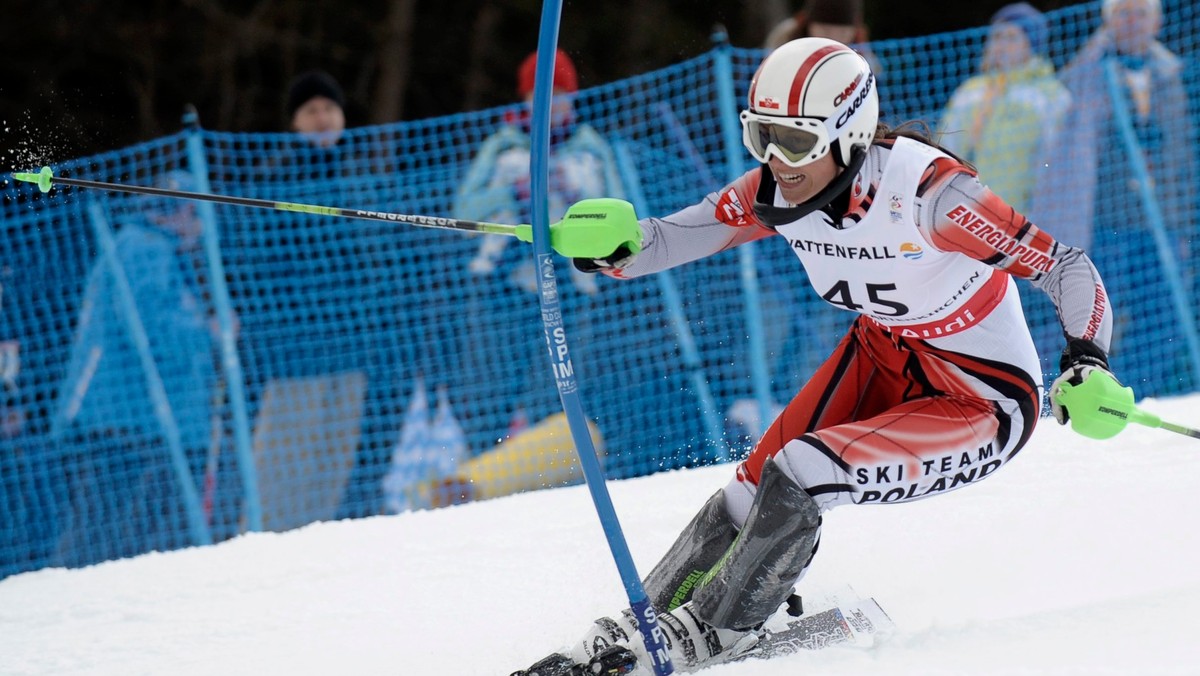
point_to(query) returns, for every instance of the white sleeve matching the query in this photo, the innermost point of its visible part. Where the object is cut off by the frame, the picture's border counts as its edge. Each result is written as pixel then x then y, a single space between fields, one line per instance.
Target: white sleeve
pixel 722 220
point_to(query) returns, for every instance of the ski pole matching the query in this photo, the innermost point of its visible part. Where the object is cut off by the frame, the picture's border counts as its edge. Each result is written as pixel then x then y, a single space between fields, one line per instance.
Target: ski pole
pixel 1148 419
pixel 591 221
pixel 1100 407
pixel 45 178
pixel 1151 420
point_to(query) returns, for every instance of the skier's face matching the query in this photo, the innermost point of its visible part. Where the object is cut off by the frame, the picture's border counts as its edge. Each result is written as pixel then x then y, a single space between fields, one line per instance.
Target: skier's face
pixel 800 184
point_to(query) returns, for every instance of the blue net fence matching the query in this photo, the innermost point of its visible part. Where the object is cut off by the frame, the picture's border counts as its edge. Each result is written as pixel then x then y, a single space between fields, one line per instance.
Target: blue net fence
pixel 177 373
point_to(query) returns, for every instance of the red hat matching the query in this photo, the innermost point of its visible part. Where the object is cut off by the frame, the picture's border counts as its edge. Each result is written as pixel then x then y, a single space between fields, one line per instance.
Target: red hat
pixel 565 77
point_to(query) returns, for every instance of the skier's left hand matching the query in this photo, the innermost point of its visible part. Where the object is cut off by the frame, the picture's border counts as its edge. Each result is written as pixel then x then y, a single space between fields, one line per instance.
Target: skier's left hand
pixel 1079 359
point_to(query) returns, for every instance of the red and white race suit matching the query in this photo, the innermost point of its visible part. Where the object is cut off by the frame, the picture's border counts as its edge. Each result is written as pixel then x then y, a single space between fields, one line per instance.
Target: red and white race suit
pixel 937 383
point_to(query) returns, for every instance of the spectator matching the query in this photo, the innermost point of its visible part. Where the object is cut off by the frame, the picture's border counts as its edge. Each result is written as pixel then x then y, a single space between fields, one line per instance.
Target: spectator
pixel 125 492
pixel 497 189
pixel 1000 119
pixel 810 330
pixel 1089 159
pixel 316 108
pixel 320 426
pixel 1093 160
pixel 840 20
pixel 12 413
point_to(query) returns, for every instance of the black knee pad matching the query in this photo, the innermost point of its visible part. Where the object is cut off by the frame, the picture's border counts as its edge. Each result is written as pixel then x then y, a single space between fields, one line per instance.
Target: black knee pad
pixel 701 544
pixel 750 582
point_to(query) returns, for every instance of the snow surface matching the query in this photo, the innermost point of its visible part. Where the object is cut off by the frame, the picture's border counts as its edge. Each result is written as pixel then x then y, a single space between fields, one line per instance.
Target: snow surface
pixel 1081 557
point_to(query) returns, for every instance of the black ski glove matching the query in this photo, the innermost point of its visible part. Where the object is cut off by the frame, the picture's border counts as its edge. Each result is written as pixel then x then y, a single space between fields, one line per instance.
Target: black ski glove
pixel 617 259
pixel 1079 358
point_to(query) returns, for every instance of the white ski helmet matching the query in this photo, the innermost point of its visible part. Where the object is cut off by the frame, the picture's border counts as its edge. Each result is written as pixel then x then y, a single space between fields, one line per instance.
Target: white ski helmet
pixel 809 97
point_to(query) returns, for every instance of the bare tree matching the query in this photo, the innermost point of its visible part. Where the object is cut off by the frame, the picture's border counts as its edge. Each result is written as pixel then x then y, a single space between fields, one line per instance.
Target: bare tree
pixel 762 15
pixel 483 47
pixel 395 62
pixel 120 72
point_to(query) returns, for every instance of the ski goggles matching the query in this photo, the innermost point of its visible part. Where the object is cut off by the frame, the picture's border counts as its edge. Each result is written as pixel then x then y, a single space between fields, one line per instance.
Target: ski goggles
pixel 795 140
pixel 801 140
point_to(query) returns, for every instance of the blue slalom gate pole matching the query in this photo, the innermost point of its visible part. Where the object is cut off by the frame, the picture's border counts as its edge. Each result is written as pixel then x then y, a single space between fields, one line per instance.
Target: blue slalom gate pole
pixel 556 343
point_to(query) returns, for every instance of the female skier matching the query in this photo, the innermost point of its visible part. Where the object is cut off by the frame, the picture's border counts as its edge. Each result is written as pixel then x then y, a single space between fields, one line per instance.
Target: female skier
pixel 935 386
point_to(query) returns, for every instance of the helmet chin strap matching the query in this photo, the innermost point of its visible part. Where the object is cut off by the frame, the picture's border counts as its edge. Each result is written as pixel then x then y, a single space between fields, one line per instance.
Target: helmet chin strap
pixel 773 216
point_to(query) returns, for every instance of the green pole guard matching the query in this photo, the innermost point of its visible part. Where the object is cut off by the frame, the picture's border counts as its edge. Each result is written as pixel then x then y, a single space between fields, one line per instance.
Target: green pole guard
pixel 593 228
pixel 1100 407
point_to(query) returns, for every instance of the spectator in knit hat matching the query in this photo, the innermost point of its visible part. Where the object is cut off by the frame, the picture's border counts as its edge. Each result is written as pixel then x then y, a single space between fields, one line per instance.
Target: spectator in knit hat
pixel 315 107
pixel 317 344
pixel 566 81
pixel 1002 118
pixel 496 188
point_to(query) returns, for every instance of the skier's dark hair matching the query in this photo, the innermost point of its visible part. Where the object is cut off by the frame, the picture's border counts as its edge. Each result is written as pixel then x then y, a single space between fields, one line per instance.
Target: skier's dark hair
pixel 917 130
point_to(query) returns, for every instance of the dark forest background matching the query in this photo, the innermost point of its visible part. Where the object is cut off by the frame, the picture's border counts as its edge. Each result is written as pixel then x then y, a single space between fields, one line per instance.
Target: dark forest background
pixel 81 77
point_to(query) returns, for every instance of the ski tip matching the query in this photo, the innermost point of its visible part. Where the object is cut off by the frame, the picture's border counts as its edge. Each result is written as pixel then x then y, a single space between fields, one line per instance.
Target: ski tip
pixel 868 621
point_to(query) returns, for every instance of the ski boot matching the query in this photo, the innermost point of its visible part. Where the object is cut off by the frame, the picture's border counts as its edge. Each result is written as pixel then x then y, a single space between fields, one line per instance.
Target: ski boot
pixel 691 642
pixel 615 660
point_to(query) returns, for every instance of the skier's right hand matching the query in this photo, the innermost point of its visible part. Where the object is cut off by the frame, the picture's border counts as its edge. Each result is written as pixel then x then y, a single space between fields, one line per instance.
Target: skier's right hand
pixel 618 259
pixel 598 234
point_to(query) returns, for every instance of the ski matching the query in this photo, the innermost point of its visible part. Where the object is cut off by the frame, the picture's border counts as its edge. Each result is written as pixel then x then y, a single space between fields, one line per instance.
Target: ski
pixel 852 621
pixel 858 623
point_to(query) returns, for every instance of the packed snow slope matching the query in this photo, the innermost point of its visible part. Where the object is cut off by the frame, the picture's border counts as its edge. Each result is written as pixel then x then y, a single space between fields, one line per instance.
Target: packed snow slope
pixel 1080 557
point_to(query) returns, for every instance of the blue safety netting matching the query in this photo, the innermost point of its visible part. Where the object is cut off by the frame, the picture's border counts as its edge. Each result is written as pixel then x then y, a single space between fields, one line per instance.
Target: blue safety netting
pixel 345 368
